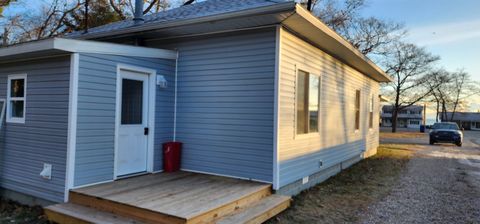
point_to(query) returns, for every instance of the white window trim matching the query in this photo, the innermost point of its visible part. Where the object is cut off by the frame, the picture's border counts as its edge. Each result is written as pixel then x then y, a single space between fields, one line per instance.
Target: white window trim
pixel 371 109
pixel 11 119
pixel 309 134
pixel 357 131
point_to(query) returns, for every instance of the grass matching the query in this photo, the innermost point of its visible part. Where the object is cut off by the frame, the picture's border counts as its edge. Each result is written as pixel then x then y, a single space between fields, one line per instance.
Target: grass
pixel 341 198
pixel 12 212
pixel 402 135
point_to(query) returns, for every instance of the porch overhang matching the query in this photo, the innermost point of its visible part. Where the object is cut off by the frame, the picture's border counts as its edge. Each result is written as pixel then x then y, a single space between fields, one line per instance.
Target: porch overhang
pixel 59 46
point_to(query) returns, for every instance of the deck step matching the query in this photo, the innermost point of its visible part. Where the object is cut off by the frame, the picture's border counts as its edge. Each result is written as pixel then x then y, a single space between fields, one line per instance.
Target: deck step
pixel 73 213
pixel 258 212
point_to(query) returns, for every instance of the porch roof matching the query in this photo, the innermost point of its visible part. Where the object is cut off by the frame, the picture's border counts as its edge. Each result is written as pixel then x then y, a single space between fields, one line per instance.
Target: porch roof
pixel 58 46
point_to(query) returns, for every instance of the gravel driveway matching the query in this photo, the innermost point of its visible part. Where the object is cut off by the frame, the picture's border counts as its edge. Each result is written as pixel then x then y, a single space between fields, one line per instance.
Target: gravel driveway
pixel 441 185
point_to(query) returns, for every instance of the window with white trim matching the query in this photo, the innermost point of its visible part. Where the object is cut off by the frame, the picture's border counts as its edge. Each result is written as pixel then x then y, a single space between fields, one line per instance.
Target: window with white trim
pixel 370 115
pixel 16 98
pixel 308 98
pixel 357 109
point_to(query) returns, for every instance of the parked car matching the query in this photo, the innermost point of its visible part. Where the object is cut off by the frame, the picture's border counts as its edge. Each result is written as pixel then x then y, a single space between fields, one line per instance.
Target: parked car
pixel 446 132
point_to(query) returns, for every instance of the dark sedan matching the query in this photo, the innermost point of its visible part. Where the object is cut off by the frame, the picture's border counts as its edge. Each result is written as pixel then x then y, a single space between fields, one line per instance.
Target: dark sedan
pixel 446 132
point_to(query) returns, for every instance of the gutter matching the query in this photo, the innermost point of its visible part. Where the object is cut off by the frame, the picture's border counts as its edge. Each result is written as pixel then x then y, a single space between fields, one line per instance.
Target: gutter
pixel 146 26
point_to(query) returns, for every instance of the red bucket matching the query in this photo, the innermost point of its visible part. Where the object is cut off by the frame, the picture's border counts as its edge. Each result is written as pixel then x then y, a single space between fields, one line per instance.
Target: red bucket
pixel 171 156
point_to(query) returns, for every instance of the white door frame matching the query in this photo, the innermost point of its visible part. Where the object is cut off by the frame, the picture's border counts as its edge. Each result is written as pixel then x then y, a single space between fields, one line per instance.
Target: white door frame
pixel 151 113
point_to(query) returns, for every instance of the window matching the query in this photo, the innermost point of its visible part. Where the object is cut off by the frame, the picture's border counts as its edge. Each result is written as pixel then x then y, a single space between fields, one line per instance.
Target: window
pixel 132 101
pixel 414 122
pixel 16 91
pixel 370 115
pixel 357 110
pixel 307 96
pixel 477 125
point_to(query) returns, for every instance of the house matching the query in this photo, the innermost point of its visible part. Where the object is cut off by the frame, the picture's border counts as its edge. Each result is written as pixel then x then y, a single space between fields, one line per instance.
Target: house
pixel 409 117
pixel 466 120
pixel 259 90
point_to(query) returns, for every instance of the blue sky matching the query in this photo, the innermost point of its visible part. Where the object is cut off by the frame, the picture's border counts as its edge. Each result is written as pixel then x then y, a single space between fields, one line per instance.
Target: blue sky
pixel 450 29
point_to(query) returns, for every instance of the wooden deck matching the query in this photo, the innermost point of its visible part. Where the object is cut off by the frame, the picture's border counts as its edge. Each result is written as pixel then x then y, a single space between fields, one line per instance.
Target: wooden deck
pixel 180 197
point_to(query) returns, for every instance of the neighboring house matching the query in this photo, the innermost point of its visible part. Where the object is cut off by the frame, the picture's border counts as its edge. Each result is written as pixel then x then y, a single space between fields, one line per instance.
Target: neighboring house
pixel 410 117
pixel 466 120
pixel 255 89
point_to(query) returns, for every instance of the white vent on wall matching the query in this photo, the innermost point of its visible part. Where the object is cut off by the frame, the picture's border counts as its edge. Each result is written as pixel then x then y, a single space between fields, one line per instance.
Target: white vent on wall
pixel 47 171
pixel 305 180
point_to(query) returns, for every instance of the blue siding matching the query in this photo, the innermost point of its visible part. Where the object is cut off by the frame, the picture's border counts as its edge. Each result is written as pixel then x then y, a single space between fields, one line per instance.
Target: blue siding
pixel 225 102
pixel 337 140
pixel 43 138
pixel 96 114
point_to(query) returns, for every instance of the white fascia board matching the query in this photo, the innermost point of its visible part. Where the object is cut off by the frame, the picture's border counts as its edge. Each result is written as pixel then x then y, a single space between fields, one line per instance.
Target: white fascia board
pixel 83 46
pixel 27 47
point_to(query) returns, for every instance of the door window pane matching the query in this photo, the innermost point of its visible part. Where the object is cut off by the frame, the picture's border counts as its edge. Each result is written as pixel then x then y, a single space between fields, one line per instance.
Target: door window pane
pixel 314 84
pixel 132 101
pixel 302 97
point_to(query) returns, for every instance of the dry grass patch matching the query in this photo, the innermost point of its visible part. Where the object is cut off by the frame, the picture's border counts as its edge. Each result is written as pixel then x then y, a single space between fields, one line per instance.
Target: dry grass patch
pixel 12 212
pixel 403 135
pixel 342 197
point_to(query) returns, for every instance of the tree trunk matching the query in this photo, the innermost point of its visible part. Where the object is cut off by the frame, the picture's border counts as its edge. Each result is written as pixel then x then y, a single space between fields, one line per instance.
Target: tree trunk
pixel 394 119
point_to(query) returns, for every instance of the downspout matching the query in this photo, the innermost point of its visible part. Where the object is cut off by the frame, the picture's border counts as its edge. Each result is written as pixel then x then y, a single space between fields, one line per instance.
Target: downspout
pixel 175 100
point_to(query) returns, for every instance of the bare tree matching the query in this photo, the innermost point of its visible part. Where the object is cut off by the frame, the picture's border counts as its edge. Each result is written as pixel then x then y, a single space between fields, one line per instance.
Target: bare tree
pixel 409 66
pixel 369 35
pixel 438 81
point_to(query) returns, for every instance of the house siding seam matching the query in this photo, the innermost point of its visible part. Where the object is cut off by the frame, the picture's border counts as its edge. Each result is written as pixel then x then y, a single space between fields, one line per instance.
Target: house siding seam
pixel 43 138
pixel 225 112
pixel 337 141
pixel 96 114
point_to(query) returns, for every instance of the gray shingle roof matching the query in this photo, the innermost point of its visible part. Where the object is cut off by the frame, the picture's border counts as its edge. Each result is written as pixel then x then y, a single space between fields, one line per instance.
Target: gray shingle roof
pixel 464 116
pixel 188 12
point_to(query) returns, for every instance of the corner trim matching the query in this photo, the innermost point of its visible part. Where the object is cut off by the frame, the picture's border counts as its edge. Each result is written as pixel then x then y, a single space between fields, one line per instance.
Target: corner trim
pixel 72 124
pixel 276 111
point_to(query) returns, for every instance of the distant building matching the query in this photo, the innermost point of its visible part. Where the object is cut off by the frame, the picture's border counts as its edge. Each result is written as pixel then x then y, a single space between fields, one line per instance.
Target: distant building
pixel 410 117
pixel 467 120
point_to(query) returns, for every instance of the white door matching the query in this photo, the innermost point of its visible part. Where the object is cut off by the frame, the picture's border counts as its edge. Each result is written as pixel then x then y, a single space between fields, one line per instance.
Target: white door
pixel 133 119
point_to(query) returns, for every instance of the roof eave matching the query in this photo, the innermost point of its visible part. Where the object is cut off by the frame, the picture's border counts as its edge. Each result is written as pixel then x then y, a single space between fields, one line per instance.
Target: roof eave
pixel 83 46
pixel 332 43
pixel 281 7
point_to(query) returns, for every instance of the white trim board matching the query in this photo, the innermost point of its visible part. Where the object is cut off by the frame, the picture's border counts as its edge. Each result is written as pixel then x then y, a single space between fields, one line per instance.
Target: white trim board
pixel 72 125
pixel 276 111
pixel 84 46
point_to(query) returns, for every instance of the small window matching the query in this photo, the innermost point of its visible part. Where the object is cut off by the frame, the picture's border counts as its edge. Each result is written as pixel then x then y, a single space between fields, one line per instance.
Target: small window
pixel 477 125
pixel 17 89
pixel 307 96
pixel 132 101
pixel 357 110
pixel 370 115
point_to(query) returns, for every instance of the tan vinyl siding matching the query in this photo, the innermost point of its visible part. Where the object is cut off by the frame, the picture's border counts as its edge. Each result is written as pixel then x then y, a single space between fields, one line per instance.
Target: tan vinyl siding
pixel 337 139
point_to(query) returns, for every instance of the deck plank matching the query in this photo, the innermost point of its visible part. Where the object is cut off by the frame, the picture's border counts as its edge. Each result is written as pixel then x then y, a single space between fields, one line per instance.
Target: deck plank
pixel 180 194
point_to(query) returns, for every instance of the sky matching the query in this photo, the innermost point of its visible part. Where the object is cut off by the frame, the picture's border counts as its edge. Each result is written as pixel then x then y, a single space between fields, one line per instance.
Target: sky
pixel 450 29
